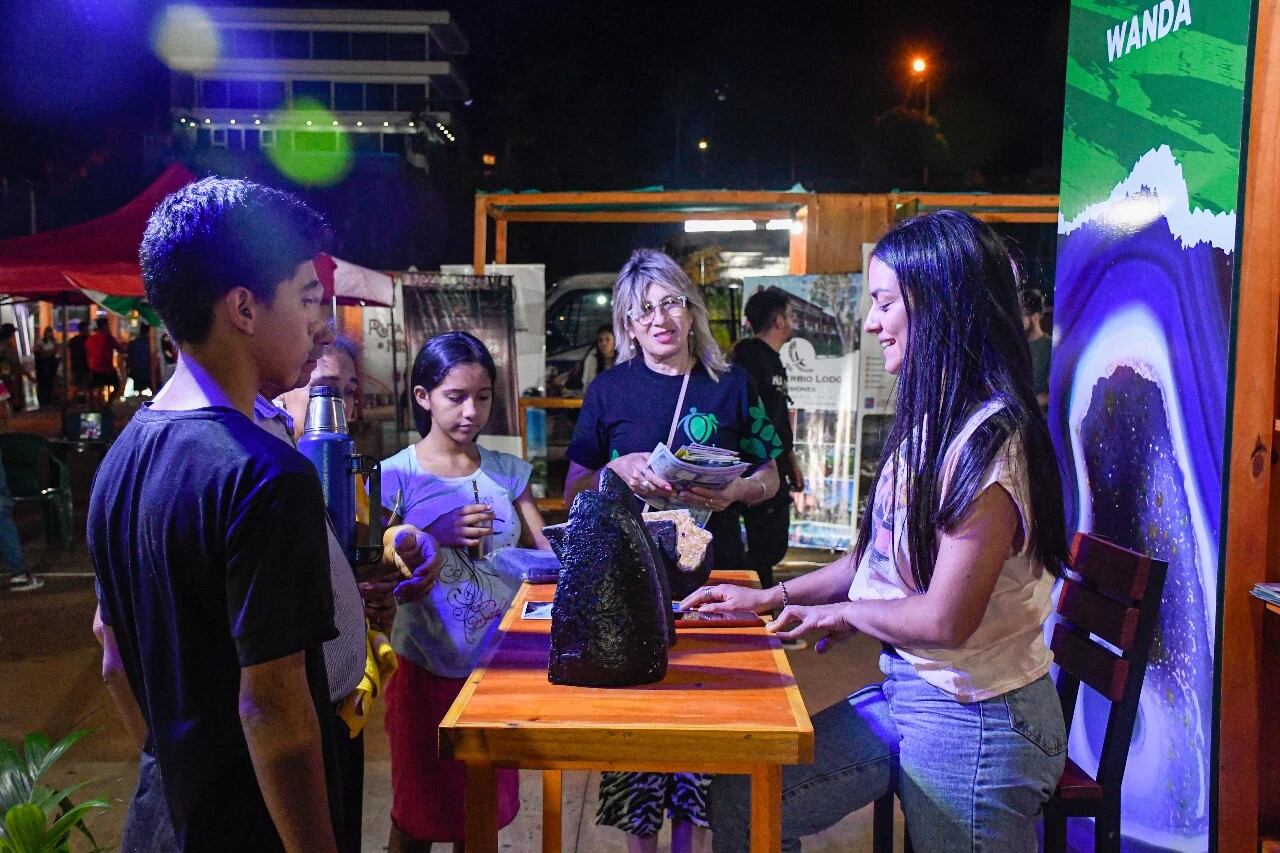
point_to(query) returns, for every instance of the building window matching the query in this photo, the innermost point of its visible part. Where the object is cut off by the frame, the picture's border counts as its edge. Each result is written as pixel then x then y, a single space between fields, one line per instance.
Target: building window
pixel 411 97
pixel 219 138
pixel 182 90
pixel 365 142
pixel 316 90
pixel 393 143
pixel 246 44
pixel 268 139
pixel 315 141
pixel 369 46
pixel 243 95
pixel 213 94
pixel 252 140
pixel 271 94
pixel 235 140
pixel 407 47
pixel 379 97
pixel 290 44
pixel 326 44
pixel 348 96
pixel 202 138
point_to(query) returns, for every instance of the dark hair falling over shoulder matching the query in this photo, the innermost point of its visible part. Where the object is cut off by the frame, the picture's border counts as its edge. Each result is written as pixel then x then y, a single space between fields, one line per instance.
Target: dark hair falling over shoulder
pixel 966 346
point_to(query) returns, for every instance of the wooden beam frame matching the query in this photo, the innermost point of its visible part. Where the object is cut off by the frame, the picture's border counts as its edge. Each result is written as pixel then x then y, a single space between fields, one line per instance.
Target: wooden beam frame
pixel 807 254
pixel 1246 781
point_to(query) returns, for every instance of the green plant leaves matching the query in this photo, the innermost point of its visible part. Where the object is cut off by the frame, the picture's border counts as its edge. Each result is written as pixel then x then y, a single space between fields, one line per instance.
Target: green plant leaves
pixel 29 807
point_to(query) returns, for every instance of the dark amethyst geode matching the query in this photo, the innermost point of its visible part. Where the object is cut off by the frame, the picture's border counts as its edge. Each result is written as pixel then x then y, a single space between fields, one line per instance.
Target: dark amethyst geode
pixel 611 623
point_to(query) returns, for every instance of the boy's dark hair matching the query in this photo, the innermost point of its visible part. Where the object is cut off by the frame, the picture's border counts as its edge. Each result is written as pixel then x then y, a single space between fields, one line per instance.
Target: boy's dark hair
pixel 763 306
pixel 1032 301
pixel 440 355
pixel 217 234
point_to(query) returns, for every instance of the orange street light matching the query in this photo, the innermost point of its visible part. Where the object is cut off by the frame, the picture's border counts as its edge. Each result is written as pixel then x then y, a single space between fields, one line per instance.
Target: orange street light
pixel 918 65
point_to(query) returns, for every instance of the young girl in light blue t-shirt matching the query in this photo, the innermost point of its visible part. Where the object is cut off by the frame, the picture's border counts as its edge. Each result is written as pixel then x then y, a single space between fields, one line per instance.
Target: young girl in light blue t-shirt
pixel 474 502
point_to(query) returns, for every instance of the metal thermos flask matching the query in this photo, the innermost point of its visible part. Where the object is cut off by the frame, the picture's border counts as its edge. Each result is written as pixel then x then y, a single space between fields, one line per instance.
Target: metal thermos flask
pixel 327 443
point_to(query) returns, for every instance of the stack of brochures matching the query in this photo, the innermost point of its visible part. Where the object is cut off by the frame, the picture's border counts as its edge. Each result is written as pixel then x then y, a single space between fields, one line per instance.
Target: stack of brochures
pixel 1268 592
pixel 694 465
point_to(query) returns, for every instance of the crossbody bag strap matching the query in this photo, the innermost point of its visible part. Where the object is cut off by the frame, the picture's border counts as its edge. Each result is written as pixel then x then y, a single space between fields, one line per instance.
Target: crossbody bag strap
pixel 675 419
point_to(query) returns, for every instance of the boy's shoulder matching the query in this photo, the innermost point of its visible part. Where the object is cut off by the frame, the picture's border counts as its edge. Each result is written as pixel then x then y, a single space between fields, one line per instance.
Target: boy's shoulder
pixel 213 439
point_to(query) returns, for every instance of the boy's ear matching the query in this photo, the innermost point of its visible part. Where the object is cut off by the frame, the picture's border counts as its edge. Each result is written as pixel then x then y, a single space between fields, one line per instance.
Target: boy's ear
pixel 240 309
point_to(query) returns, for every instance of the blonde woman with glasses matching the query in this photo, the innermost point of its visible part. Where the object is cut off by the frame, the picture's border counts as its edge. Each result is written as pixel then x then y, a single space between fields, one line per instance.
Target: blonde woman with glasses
pixel 671 384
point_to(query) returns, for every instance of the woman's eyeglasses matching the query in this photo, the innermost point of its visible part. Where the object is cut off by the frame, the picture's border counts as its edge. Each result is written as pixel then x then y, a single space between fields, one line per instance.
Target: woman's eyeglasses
pixel 672 306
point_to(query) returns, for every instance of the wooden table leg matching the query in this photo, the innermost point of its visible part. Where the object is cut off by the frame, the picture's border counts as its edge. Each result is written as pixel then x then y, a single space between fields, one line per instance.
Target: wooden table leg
pixel 766 809
pixel 552 808
pixel 482 809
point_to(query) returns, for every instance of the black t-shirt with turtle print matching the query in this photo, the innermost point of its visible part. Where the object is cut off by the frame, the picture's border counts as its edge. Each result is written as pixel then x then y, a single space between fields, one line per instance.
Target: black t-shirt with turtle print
pixel 628 409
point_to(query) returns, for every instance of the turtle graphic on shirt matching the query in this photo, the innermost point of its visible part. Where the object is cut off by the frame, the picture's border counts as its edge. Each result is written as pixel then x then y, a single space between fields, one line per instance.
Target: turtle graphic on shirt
pixel 700 426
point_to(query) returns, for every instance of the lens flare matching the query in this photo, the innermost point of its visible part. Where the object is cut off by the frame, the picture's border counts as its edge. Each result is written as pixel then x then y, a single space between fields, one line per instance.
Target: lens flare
pixel 317 158
pixel 185 39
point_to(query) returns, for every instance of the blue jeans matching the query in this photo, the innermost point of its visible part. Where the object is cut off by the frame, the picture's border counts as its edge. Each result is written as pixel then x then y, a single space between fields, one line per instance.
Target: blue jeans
pixel 971 776
pixel 10 544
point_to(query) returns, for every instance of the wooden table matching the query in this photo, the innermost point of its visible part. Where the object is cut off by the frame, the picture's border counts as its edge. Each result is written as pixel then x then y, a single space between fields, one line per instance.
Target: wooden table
pixel 729 704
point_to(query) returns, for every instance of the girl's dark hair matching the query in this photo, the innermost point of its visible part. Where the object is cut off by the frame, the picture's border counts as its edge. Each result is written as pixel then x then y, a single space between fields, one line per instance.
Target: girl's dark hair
pixel 440 355
pixel 965 347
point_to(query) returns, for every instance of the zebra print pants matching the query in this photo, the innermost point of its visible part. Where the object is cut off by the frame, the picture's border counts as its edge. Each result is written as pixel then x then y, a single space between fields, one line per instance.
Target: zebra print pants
pixel 634 802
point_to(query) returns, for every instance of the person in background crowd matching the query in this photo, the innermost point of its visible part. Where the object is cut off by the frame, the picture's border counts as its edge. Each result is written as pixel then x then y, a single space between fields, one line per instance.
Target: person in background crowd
pixel 768 523
pixel 48 358
pixel 601 357
pixel 100 353
pixel 219 612
pixel 1041 344
pixel 76 351
pixel 12 370
pixel 337 369
pixel 21 579
pixel 138 354
pixel 953 572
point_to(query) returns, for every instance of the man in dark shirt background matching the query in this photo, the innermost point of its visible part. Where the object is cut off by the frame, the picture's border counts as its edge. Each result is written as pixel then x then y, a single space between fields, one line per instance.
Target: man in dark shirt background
pixel 768 523
pixel 208 535
pixel 1041 344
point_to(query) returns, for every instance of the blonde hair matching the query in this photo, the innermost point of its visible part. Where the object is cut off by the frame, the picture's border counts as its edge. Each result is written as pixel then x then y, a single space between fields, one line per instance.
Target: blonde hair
pixel 649 266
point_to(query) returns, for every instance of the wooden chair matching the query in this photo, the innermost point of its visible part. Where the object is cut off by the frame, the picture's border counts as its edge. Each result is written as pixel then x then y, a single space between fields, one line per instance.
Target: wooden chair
pixel 1113 595
pixel 1115 598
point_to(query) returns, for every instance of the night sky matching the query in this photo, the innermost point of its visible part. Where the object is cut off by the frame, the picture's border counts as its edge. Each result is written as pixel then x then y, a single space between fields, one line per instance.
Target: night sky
pixel 592 95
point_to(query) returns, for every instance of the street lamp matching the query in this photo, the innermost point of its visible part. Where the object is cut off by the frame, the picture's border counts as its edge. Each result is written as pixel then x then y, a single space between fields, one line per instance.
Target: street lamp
pixel 920 69
pixel 703 145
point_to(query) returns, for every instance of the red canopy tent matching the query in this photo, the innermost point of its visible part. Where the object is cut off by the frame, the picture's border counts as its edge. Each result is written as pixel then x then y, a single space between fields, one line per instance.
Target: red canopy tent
pixel 99 255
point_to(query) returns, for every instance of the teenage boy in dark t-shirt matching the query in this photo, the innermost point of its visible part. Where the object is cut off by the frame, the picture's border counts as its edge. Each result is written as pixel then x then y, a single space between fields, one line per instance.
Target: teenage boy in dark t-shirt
pixel 768 523
pixel 208 535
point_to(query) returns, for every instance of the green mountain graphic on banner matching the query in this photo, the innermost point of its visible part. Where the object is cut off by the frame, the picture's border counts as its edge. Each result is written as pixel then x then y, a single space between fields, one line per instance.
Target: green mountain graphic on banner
pixel 1176 76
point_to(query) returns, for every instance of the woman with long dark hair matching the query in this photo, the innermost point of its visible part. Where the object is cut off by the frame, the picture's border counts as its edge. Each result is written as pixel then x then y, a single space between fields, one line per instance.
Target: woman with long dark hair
pixel 952 571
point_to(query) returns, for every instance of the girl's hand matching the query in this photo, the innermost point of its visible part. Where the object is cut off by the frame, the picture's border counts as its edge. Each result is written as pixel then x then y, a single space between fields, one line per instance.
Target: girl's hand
pixel 634 471
pixel 797 620
pixel 727 596
pixel 464 526
pixel 418 558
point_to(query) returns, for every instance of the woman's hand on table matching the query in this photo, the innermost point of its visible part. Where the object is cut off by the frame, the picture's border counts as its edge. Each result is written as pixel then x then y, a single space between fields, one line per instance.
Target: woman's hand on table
pixel 634 471
pixel 463 527
pixel 829 620
pixel 727 596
